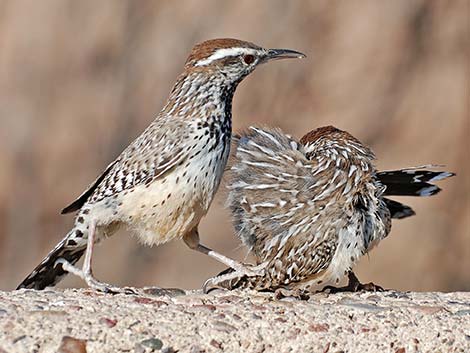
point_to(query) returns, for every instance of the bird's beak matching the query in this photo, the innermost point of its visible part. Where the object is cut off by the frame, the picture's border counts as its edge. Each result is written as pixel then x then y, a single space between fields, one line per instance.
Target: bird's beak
pixel 277 54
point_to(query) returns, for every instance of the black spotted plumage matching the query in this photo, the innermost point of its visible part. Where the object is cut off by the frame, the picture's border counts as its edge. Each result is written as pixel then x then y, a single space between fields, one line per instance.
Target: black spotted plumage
pixel 181 154
pixel 308 210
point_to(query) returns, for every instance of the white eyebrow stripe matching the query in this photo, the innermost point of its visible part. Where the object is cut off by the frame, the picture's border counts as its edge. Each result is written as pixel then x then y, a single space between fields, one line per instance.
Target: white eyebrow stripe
pixel 223 53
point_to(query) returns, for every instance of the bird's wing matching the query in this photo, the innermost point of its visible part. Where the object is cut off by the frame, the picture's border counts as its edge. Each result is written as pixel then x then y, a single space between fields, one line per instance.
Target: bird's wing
pixel 272 186
pixel 80 201
pixel 158 150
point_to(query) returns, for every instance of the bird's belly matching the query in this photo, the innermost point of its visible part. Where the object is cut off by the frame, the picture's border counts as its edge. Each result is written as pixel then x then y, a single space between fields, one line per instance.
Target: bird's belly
pixel 349 250
pixel 171 206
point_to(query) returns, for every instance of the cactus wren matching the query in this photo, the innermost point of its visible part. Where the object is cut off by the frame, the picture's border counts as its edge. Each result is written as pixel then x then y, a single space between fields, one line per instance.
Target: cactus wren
pixel 309 210
pixel 163 183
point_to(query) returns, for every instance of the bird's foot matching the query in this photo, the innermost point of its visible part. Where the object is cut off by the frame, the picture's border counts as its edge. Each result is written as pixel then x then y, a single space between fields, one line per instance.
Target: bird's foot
pixel 251 270
pixel 92 282
pixel 360 287
pixel 228 279
pixel 295 293
pixel 232 278
pixel 240 268
pixel 354 285
pixel 369 287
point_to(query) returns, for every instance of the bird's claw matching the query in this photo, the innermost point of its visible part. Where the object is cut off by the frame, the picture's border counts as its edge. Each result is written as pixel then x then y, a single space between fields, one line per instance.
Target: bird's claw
pixel 354 285
pixel 230 278
pixel 92 282
pixel 296 293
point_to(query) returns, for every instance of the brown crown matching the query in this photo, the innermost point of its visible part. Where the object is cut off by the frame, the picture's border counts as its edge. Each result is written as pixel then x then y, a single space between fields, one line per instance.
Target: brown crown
pixel 328 132
pixel 207 48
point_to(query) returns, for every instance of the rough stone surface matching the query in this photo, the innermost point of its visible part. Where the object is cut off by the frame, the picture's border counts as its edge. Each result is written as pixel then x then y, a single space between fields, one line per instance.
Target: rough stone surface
pixel 80 320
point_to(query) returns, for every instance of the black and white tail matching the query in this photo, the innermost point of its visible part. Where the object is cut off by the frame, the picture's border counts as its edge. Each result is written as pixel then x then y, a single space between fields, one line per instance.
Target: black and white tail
pixel 48 272
pixel 417 181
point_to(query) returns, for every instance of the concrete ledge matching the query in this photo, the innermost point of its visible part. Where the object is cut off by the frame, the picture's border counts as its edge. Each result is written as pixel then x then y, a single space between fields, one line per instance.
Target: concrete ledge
pixel 79 320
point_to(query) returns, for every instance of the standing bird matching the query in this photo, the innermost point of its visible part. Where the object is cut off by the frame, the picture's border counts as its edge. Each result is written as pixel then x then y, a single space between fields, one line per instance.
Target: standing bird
pixel 163 183
pixel 309 210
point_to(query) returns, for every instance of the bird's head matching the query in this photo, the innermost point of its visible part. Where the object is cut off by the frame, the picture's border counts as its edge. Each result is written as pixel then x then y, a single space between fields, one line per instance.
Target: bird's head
pixel 330 138
pixel 233 59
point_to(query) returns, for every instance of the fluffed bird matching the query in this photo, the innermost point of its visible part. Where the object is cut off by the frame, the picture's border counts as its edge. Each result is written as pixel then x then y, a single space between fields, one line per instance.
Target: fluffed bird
pixel 308 210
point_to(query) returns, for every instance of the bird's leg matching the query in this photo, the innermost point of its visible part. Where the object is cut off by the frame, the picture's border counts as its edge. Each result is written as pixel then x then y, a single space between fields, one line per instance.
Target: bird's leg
pixel 354 285
pixel 86 272
pixel 192 241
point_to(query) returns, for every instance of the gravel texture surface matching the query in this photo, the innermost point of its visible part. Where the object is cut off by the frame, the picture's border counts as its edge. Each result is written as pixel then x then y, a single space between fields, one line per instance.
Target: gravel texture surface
pixel 80 320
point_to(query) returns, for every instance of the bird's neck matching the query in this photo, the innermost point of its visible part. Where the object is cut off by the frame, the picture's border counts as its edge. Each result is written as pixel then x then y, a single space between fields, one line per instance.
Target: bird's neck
pixel 195 95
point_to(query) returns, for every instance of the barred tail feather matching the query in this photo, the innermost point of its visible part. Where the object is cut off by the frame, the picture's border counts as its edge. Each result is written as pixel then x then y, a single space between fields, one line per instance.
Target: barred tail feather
pixel 398 210
pixel 412 181
pixel 48 273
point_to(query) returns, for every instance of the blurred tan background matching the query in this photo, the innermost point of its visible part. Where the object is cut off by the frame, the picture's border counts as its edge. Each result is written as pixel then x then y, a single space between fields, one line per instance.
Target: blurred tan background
pixel 79 80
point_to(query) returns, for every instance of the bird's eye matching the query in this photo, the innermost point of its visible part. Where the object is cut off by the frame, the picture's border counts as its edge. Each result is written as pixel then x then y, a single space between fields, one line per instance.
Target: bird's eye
pixel 249 59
